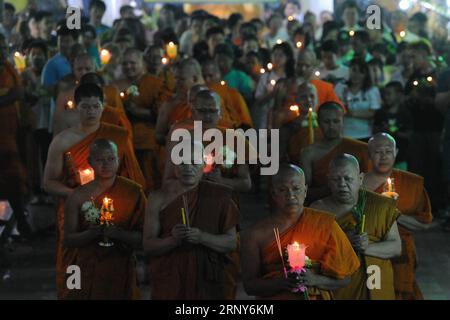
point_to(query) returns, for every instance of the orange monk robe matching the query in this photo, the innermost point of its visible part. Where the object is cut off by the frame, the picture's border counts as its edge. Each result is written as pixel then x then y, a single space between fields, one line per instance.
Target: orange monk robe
pixel 327 246
pixel 356 148
pixel 110 273
pixel 168 80
pixel 151 95
pixel 12 171
pixel 112 97
pixel 116 117
pixel 325 92
pixel 129 168
pixel 414 202
pixel 194 272
pixel 380 213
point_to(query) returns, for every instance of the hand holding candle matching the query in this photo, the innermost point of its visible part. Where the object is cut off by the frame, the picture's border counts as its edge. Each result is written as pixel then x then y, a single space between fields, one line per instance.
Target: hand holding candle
pixel 171 50
pixel 296 253
pixel 105 56
pixel 19 61
pixel 86 175
pixel 390 189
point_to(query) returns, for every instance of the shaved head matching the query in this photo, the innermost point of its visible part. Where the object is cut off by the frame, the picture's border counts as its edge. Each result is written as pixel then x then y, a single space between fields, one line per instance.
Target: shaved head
pixel 102 145
pixel 190 66
pixel 344 160
pixel 104 159
pixel 195 90
pixel 331 120
pixel 289 190
pixel 306 62
pixel 381 138
pixel 287 170
pixel 92 77
pixel 382 152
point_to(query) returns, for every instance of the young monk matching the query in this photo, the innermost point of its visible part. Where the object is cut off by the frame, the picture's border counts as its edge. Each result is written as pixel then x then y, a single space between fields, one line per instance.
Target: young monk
pixel 67 161
pixel 106 272
pixel 375 238
pixel 315 159
pixel 334 260
pixel 188 253
pixel 414 206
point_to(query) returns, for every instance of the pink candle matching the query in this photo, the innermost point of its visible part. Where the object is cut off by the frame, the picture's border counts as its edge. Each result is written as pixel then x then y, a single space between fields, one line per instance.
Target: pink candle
pixel 296 253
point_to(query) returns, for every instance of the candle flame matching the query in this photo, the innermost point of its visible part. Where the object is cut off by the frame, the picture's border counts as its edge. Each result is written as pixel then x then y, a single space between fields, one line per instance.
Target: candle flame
pixel 171 44
pixel 416 83
pixel 296 244
pixel 279 41
pixel 17 54
pixel 402 33
pixel 70 104
pixel 310 110
pixel 389 181
pixel 269 66
pixel 122 94
pixel 164 60
pixel 106 201
pixel 294 108
pixel 429 78
pixel 273 82
pixel 222 82
pixel 299 44
pixel 290 18
pixel 87 171
pixel 351 33
pixel 317 73
pixel 262 70
pixel 105 52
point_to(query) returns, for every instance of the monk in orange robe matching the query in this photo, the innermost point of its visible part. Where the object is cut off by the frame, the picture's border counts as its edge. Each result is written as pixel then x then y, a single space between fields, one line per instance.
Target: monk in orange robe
pixel 12 170
pixel 153 58
pixel 106 273
pixel 333 259
pixel 143 96
pixel 67 165
pixel 316 158
pixel 234 103
pixel 305 68
pixel 414 206
pixel 188 249
pixel 369 220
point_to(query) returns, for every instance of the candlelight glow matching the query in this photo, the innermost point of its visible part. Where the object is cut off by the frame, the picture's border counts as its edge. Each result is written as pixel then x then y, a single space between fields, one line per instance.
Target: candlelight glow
pixel 122 94
pixel 273 82
pixel 317 73
pixel 279 41
pixel 70 104
pixel 294 108
pixel 296 254
pixel 105 56
pixel 429 78
pixel 269 66
pixel 171 50
pixel 299 44
pixel 351 33
pixel 164 60
pixel 290 18
pixel 416 83
pixel 222 83
pixel 262 70
pixel 402 34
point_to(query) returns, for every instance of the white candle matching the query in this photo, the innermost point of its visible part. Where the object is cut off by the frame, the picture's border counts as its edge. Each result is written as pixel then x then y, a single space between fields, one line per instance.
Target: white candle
pixel 86 175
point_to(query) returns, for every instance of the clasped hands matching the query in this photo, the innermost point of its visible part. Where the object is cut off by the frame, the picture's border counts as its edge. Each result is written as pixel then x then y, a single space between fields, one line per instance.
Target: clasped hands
pixel 181 233
pixel 359 242
pixel 111 231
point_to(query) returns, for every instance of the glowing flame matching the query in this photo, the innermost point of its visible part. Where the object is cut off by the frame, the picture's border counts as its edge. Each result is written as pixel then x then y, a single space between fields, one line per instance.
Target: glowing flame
pixel 122 94
pixel 351 33
pixel 70 104
pixel 105 201
pixel 105 56
pixel 416 83
pixel 317 73
pixel 273 82
pixel 279 41
pixel 164 60
pixel 17 54
pixel 290 18
pixel 87 171
pixel 429 78
pixel 402 33
pixel 269 66
pixel 171 44
pixel 262 70
pixel 299 44
pixel 222 83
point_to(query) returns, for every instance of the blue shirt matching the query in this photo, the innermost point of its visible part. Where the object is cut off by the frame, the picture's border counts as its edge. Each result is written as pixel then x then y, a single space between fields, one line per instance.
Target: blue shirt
pixel 54 70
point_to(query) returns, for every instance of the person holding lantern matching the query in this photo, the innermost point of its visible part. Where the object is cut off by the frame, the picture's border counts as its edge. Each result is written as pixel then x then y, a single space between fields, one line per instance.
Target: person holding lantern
pixel 67 165
pixel 187 241
pixel 413 203
pixel 315 158
pixel 265 270
pixel 109 206
pixel 369 220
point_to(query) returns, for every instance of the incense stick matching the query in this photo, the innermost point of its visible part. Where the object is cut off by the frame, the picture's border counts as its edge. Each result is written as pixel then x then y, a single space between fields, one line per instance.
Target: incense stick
pixel 280 250
pixel 185 204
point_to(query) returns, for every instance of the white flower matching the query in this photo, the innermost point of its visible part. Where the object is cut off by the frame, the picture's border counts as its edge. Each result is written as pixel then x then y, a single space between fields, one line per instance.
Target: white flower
pixel 133 91
pixel 92 215
pixel 86 206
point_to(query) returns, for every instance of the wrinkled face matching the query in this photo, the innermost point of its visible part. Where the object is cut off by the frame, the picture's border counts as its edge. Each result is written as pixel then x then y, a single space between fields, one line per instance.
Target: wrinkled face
pixel 153 59
pixel 105 163
pixel 96 15
pixel 279 58
pixel 210 73
pixel 345 182
pixel 189 174
pixel 90 109
pixel 132 65
pixel 82 66
pixel 329 59
pixel 350 16
pixel 382 153
pixel 206 110
pixel 250 46
pixel 331 123
pixel 65 43
pixel 289 192
pixel 305 66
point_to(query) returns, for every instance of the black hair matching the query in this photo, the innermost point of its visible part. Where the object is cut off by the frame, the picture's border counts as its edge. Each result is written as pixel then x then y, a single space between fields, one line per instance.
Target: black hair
pixel 328 27
pixel 87 90
pixel 98 4
pixel 233 19
pixel 37 44
pixel 364 68
pixel 125 8
pixel 420 46
pixel 41 15
pixel 328 105
pixel 88 77
pixel 396 85
pixel 290 61
pixel 8 6
pixel 225 49
pixel 249 25
pixel 363 36
pixel 329 46
pixel 350 4
pixel 89 28
pixel 214 30
pixel 419 17
pixel 63 30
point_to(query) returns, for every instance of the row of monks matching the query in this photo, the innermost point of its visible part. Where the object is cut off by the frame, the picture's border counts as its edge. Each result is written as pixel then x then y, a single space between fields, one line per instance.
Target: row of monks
pixel 122 133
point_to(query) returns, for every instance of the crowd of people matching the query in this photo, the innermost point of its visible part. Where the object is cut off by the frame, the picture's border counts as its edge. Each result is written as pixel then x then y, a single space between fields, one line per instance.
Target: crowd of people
pixel 88 114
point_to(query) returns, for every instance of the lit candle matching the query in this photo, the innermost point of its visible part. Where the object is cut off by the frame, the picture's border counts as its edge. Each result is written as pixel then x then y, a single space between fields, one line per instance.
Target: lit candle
pixel 19 61
pixel 429 78
pixel 317 73
pixel 296 109
pixel 86 175
pixel 105 56
pixel 299 44
pixel 351 33
pixel 70 105
pixel 279 41
pixel 222 83
pixel 296 254
pixel 273 82
pixel 390 192
pixel 402 33
pixel 107 211
pixel 415 83
pixel 310 126
pixel 269 66
pixel 164 60
pixel 122 95
pixel 171 50
pixel 290 18
pixel 389 181
pixel 262 70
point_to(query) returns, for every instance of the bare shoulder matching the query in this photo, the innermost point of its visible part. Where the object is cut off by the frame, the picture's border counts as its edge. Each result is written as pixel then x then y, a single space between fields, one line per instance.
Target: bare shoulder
pixel 66 138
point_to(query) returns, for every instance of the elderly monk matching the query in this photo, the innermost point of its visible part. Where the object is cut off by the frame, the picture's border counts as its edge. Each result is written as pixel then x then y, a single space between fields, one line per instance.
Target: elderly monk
pixel 106 273
pixel 333 259
pixel 305 68
pixel 66 114
pixel 294 125
pixel 315 159
pixel 233 101
pixel 143 95
pixel 414 206
pixel 12 171
pixel 67 165
pixel 188 251
pixel 369 220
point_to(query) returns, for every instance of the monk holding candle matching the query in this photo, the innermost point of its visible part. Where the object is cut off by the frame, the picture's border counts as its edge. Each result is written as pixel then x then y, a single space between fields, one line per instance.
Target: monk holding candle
pixel 315 159
pixel 68 158
pixel 369 219
pixel 187 260
pixel 413 203
pixel 333 259
pixel 106 272
pixel 143 95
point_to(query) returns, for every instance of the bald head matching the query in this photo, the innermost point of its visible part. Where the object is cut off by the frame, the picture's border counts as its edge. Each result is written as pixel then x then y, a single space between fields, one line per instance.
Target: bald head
pixel 82 64
pixel 190 66
pixel 382 152
pixel 289 190
pixel 188 74
pixel 206 107
pixel 306 62
pixel 307 95
pixel 196 89
pixel 287 171
pixel 344 160
pixel 211 71
pixel 133 63
pixel 345 179
pixel 92 77
pixel 101 145
pixel 134 52
pixel 331 120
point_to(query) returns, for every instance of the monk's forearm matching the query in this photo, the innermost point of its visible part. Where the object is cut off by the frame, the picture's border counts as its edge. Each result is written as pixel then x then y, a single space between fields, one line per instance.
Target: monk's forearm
pixel 220 243
pixel 57 188
pixel 411 223
pixel 327 283
pixel 131 238
pixel 384 250
pixel 79 239
pixel 159 247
